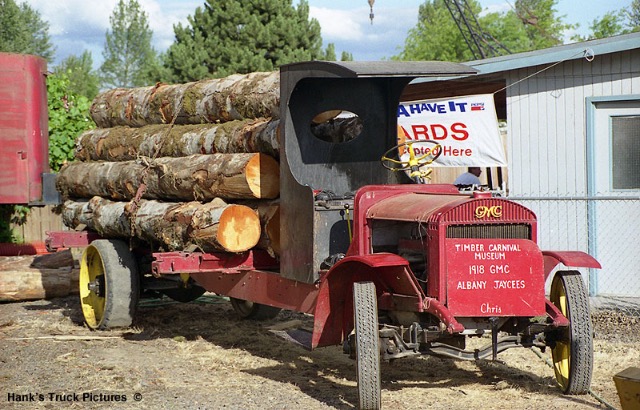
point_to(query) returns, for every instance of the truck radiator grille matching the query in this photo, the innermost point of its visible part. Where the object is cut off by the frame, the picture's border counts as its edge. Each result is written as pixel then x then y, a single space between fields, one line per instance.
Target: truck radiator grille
pixel 493 231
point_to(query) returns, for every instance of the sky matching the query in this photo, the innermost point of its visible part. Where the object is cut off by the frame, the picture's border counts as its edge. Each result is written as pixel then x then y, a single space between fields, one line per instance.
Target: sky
pixel 78 25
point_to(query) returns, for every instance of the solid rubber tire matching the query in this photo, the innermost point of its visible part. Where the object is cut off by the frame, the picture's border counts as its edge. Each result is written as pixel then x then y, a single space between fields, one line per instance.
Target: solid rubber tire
pixel 117 305
pixel 573 353
pixel 365 315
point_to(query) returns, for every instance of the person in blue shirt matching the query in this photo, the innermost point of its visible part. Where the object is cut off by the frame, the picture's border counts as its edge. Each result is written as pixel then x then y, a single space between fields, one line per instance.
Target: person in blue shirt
pixel 471 177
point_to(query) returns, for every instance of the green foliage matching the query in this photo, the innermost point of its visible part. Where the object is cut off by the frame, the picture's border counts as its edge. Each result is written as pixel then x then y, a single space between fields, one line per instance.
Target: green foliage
pixel 544 29
pixel 531 25
pixel 83 80
pixel 68 118
pixel 23 31
pixel 128 54
pixel 436 36
pixel 156 71
pixel 346 56
pixel 330 52
pixel 633 16
pixel 611 24
pixel 238 36
pixel 12 214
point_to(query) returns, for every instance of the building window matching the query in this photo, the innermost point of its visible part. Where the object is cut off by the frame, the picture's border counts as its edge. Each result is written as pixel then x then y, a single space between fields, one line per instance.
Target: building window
pixel 625 140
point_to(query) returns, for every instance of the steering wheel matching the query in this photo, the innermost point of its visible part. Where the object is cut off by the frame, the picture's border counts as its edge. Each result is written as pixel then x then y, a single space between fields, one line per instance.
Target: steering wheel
pixel 393 162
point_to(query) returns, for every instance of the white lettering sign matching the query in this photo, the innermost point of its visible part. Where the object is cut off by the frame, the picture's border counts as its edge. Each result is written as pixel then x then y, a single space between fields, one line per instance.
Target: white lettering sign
pixel 465 127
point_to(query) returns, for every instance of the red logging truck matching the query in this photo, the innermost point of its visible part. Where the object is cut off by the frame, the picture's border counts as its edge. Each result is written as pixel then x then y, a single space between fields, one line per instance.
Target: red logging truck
pixel 388 267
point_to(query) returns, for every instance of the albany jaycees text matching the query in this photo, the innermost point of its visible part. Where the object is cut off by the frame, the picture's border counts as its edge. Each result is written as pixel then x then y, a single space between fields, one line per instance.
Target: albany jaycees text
pixel 71 397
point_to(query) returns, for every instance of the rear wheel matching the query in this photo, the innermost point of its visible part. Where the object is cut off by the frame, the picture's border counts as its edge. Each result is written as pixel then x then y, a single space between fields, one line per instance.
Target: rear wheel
pixel 365 314
pixel 109 287
pixel 255 311
pixel 573 351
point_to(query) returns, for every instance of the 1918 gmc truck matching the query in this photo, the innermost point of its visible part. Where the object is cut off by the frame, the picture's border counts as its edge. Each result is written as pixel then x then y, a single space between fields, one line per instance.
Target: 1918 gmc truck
pixel 388 267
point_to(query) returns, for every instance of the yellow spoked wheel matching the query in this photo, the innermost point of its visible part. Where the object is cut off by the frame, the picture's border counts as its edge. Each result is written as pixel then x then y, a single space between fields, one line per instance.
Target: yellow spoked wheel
pixel 391 158
pixel 109 287
pixel 572 348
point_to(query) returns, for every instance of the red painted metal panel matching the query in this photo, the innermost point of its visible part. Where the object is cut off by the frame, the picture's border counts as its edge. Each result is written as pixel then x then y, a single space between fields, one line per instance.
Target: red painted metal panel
pixel 69 239
pixel 453 209
pixel 197 262
pixel 23 128
pixel 568 258
pixel 485 210
pixel 494 277
pixel 412 206
pixel 557 318
pixel 267 288
pixel 369 195
pixel 333 314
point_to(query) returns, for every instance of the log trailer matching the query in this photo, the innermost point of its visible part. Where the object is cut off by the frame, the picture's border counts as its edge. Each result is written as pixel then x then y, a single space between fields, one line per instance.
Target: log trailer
pixel 388 268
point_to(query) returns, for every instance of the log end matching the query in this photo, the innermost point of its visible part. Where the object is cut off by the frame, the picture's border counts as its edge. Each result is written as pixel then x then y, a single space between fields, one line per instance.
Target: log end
pixel 238 229
pixel 263 176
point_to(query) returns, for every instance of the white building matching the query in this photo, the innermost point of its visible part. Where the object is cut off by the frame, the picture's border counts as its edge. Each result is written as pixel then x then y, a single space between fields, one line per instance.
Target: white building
pixel 573 147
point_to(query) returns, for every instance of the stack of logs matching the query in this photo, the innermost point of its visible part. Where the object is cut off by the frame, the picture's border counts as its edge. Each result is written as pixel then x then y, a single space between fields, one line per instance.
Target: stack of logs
pixel 184 167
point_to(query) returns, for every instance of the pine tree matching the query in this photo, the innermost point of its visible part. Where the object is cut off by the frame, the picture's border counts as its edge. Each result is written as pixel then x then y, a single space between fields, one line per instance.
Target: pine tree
pixel 330 52
pixel 23 31
pixel 128 53
pixel 346 56
pixel 238 36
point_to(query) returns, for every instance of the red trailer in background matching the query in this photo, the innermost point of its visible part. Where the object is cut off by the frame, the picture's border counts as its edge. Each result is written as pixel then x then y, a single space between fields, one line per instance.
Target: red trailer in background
pixel 24 148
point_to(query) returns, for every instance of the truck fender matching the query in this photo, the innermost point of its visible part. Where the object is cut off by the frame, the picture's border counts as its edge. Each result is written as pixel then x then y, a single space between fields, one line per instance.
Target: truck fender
pixel 333 315
pixel 576 259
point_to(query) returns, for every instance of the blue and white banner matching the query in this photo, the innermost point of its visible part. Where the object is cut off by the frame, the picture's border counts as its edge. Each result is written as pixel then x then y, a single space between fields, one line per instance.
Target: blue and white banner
pixel 465 127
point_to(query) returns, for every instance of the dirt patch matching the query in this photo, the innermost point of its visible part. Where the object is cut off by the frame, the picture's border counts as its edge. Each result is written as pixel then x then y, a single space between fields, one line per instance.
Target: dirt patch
pixel 202 356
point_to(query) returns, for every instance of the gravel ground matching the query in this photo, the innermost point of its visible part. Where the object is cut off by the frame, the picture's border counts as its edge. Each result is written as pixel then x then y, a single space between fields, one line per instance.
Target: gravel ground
pixel 201 356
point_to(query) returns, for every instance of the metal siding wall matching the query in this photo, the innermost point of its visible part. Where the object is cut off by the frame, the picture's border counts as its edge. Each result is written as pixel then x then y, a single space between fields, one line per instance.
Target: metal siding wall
pixel 547 147
pixel 547 125
pixel 547 134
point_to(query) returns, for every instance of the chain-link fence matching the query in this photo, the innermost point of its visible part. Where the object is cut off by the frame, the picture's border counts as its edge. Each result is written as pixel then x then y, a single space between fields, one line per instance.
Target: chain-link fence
pixel 607 228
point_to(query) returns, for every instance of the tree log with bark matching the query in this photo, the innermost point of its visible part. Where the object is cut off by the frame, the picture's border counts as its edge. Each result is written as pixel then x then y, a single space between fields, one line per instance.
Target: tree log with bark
pixel 236 97
pixel 21 280
pixel 196 177
pixel 269 213
pixel 34 284
pixel 162 140
pixel 209 227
